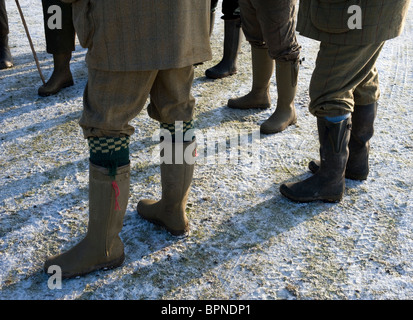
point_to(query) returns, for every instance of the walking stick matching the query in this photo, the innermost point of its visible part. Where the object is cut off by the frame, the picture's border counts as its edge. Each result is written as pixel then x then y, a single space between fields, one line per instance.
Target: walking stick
pixel 30 41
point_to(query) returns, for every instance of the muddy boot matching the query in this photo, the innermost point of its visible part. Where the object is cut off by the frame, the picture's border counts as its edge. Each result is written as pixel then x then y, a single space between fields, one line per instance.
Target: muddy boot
pixel 61 76
pixel 102 246
pixel 232 41
pixel 328 183
pixel 262 71
pixel 176 179
pixel 359 146
pixel 286 74
pixel 6 60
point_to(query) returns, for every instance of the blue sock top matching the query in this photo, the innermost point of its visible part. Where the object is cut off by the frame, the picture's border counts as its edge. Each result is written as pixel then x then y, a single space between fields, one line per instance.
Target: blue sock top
pixel 338 118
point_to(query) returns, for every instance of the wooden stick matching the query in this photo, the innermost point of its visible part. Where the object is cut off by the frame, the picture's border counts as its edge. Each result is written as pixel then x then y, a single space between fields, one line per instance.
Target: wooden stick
pixel 30 41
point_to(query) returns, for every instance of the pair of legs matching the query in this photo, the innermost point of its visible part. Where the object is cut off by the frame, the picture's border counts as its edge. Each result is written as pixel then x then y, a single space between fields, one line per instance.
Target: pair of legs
pixel 270 30
pixel 111 100
pixel 60 42
pixel 232 39
pixel 344 91
pixel 6 60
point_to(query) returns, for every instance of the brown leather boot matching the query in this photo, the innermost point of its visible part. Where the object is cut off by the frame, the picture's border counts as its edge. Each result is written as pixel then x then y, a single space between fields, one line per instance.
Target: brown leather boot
pixel 359 146
pixel 328 183
pixel 286 74
pixel 102 246
pixel 232 42
pixel 262 71
pixel 6 60
pixel 61 76
pixel 176 178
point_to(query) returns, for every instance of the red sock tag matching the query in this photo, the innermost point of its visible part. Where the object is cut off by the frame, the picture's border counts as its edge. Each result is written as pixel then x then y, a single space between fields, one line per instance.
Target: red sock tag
pixel 117 193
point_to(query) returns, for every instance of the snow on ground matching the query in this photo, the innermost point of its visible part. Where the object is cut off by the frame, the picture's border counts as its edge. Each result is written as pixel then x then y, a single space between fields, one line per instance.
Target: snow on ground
pixel 246 240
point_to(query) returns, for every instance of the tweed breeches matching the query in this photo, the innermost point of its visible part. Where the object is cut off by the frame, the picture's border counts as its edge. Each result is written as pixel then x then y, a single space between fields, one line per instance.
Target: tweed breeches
pixel 271 24
pixel 344 76
pixel 112 99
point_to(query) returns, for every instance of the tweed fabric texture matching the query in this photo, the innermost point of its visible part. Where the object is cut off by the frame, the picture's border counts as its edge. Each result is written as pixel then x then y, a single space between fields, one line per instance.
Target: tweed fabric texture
pixel 344 76
pixel 327 20
pixel 271 24
pixel 132 35
pixel 112 99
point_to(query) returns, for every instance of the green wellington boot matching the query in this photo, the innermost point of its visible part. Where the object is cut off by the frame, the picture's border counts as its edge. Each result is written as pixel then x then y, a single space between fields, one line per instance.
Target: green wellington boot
pixel 102 246
pixel 262 71
pixel 176 178
pixel 286 74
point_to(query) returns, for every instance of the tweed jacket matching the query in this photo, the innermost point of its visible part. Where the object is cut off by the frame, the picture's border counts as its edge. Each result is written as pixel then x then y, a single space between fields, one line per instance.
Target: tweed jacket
pixel 327 20
pixel 139 35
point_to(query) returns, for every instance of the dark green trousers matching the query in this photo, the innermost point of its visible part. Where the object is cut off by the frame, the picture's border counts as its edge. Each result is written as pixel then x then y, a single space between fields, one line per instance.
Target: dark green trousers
pixel 270 25
pixel 4 25
pixel 59 40
pixel 230 9
pixel 344 76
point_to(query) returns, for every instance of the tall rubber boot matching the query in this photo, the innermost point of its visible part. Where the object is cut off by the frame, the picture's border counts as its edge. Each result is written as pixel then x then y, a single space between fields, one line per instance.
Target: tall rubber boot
pixel 262 71
pixel 6 60
pixel 328 183
pixel 232 42
pixel 102 246
pixel 286 73
pixel 176 178
pixel 359 146
pixel 61 76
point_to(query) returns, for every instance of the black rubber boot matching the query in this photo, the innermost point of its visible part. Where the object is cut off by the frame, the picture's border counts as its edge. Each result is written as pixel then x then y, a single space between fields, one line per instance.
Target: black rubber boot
pixel 359 146
pixel 6 60
pixel 328 183
pixel 228 65
pixel 61 76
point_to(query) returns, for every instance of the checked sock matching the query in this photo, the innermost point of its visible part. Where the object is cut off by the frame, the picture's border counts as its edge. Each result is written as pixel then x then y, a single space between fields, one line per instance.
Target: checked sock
pixel 178 130
pixel 109 152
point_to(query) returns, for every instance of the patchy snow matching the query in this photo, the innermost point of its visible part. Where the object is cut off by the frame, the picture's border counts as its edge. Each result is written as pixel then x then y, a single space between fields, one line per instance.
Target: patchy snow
pixel 246 240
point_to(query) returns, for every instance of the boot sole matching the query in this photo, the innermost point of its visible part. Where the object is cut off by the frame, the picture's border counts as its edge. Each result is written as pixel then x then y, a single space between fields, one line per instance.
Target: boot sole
pixel 269 131
pixel 219 76
pixel 161 224
pixel 327 199
pixel 4 66
pixel 51 93
pixel 257 106
pixel 107 266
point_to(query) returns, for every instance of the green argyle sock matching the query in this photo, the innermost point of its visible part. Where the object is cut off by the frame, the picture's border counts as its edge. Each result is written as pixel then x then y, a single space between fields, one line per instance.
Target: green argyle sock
pixel 179 129
pixel 109 152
